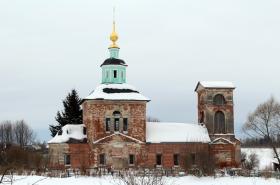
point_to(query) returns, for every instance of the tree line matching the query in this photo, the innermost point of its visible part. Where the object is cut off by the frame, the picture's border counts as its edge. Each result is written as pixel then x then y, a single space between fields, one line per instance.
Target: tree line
pixel 15 133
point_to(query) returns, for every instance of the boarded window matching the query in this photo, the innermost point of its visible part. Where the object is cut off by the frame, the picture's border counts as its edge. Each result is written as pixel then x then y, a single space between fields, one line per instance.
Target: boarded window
pixel 158 159
pixel 219 124
pixel 67 160
pixel 115 73
pixel 131 159
pixel 125 124
pixel 176 159
pixel 107 124
pixel 102 159
pixel 219 99
pixel 107 74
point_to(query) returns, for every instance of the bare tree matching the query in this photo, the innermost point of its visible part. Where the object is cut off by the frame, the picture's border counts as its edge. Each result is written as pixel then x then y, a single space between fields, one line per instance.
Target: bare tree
pixel 265 122
pixel 6 133
pixel 250 162
pixel 23 133
pixel 146 178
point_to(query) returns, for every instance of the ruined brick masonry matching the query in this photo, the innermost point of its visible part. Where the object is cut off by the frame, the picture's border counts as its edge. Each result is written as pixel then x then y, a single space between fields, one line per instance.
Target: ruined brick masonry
pixel 127 147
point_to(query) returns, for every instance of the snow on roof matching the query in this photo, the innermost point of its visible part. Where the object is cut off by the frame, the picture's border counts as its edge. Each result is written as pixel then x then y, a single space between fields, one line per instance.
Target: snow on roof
pixel 69 131
pixel 116 92
pixel 216 84
pixel 160 132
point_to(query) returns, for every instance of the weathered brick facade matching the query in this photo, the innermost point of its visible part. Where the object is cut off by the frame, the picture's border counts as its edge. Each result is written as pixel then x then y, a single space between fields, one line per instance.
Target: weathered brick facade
pixel 216 108
pixel 126 147
pixel 95 113
pixel 78 152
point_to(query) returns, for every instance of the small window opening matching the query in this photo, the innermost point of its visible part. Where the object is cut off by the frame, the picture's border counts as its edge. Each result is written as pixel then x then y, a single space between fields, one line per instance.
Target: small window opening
pixel 176 159
pixel 125 124
pixel 117 124
pixel 193 158
pixel 131 159
pixel 107 124
pixel 85 130
pixel 158 159
pixel 67 160
pixel 102 159
pixel 115 73
pixel 107 74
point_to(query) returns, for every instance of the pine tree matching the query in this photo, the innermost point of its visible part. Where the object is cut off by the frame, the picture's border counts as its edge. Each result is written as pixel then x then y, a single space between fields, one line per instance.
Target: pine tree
pixel 72 113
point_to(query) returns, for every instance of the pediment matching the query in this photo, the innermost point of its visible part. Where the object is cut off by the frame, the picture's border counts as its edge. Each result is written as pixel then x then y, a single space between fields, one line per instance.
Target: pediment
pixel 221 140
pixel 117 138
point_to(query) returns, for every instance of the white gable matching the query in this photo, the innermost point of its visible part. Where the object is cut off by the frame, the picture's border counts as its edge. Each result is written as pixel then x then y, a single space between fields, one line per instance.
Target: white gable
pixel 99 93
pixel 160 132
pixel 217 84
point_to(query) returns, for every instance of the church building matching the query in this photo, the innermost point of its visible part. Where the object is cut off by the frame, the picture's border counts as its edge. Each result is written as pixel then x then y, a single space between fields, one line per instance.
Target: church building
pixel 115 132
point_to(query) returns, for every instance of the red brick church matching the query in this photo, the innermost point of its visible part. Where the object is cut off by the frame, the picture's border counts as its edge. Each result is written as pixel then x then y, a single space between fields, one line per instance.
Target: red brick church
pixel 115 133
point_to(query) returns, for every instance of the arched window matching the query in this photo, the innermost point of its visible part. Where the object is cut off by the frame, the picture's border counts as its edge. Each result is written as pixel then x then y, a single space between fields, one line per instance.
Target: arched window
pixel 219 124
pixel 117 116
pixel 219 99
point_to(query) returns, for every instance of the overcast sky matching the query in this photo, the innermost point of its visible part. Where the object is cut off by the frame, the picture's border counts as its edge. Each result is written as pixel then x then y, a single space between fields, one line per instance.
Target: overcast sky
pixel 49 47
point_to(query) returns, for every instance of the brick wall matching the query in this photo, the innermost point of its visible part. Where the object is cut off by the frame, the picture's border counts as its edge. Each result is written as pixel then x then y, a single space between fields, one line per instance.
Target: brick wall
pixel 206 105
pixel 96 111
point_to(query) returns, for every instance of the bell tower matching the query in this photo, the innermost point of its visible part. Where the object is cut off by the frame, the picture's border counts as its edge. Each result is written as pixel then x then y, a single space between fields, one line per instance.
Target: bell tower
pixel 216 108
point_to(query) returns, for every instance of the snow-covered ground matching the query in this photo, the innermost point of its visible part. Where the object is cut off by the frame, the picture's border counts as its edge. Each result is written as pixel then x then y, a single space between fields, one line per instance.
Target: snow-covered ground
pixel 265 155
pixel 39 180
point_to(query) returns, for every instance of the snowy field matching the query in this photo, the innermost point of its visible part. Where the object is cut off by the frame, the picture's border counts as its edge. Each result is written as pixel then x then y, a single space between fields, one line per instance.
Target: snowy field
pixel 265 155
pixel 38 180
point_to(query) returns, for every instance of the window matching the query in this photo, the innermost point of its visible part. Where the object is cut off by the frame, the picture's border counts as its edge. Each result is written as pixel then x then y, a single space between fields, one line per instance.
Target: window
pixel 176 159
pixel 158 159
pixel 117 124
pixel 192 158
pixel 131 159
pixel 219 123
pixel 67 160
pixel 115 73
pixel 102 159
pixel 84 130
pixel 107 124
pixel 125 124
pixel 117 116
pixel 219 99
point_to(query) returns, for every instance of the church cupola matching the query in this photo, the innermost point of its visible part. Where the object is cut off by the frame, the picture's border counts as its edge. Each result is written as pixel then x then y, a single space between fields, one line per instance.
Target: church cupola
pixel 113 68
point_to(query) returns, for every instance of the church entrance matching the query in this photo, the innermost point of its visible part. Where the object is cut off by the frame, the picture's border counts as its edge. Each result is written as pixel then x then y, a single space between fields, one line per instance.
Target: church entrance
pixel 119 163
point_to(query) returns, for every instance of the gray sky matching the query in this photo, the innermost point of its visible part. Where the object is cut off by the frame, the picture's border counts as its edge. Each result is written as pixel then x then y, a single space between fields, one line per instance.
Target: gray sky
pixel 49 47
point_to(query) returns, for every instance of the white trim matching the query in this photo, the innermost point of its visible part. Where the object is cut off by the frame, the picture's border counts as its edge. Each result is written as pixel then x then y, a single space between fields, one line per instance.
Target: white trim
pixel 117 133
pixel 220 138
